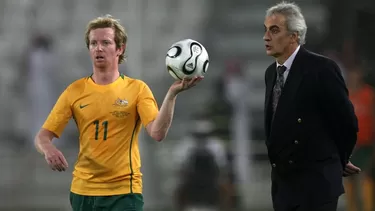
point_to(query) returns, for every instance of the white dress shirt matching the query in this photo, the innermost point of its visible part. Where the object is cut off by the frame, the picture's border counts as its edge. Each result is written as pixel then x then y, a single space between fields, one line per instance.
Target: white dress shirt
pixel 288 63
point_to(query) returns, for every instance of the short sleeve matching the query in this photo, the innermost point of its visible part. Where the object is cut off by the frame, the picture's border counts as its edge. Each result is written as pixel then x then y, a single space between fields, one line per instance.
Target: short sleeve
pixel 147 107
pixel 59 116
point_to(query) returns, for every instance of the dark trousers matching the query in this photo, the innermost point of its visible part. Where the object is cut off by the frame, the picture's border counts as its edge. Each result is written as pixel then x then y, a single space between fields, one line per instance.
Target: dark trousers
pixel 328 206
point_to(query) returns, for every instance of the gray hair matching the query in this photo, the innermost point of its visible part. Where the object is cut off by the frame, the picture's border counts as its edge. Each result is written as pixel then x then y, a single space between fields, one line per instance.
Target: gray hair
pixel 295 22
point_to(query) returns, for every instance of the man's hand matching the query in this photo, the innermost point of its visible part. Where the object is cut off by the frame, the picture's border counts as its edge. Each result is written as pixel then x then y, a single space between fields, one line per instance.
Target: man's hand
pixel 184 84
pixel 351 169
pixel 55 158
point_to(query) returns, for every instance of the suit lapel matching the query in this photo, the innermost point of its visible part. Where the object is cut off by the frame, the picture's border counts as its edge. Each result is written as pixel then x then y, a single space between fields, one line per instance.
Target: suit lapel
pixel 289 92
pixel 271 76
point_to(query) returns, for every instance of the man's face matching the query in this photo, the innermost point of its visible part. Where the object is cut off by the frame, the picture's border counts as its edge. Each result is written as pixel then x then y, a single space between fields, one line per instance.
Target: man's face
pixel 103 51
pixel 276 38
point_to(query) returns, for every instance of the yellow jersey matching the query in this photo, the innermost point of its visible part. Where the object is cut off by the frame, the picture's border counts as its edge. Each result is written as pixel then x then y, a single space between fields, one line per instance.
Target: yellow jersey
pixel 109 119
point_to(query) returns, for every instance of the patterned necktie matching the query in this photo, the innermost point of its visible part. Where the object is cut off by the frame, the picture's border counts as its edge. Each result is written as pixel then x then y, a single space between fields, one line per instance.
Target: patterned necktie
pixel 278 88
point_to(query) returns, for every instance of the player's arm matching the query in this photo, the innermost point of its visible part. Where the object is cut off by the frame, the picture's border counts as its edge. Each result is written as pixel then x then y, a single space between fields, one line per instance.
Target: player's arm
pixel 148 111
pixel 158 128
pixel 52 128
pixel 55 123
pixel 43 139
pixel 158 123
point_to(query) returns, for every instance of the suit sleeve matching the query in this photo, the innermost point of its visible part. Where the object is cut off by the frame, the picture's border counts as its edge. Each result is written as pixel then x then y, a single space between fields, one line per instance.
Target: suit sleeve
pixel 59 116
pixel 338 110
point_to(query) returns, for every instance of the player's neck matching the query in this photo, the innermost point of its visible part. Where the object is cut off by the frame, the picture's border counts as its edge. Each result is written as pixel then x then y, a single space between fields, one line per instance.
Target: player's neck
pixel 103 77
pixel 289 51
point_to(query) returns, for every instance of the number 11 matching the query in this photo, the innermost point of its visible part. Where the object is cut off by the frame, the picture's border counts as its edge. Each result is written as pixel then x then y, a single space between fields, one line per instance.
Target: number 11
pixel 105 125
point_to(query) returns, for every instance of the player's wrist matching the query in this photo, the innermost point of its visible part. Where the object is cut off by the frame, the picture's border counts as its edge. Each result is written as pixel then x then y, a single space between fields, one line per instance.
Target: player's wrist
pixel 45 147
pixel 172 94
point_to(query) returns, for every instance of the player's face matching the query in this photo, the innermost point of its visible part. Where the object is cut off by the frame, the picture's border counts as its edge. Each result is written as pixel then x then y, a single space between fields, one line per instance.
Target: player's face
pixel 276 38
pixel 103 49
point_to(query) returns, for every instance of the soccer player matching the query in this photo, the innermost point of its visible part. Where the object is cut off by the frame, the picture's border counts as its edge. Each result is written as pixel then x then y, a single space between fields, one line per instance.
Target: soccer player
pixel 109 109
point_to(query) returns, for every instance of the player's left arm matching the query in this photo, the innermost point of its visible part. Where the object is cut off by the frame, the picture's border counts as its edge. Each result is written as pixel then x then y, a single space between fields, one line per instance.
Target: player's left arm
pixel 156 122
pixel 157 127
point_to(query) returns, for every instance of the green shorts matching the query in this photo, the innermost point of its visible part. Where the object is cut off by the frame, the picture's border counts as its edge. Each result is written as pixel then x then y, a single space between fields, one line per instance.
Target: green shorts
pixel 125 202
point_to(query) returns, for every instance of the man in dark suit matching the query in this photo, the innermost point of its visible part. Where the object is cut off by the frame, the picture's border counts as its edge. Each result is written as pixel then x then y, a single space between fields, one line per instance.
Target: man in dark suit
pixel 310 124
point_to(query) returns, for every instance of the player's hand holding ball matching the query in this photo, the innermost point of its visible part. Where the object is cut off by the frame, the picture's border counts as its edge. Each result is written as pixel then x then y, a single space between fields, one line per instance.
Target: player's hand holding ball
pixel 185 84
pixel 54 158
pixel 187 61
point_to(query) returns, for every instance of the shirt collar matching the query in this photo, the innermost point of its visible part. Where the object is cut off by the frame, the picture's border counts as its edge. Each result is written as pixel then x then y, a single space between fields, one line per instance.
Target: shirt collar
pixel 288 63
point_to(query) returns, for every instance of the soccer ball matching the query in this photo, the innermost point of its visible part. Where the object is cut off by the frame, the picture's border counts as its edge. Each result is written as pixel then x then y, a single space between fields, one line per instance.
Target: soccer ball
pixel 187 59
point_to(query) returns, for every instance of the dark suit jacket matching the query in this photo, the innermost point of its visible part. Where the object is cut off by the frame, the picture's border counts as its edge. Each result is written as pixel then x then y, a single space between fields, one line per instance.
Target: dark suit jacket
pixel 313 132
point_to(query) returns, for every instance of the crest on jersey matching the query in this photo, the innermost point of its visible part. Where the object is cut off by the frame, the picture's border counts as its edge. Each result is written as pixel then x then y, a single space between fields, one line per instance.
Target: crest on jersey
pixel 121 102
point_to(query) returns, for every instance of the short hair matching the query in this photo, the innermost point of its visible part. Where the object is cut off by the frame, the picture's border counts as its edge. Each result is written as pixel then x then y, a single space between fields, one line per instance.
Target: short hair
pixel 295 22
pixel 108 21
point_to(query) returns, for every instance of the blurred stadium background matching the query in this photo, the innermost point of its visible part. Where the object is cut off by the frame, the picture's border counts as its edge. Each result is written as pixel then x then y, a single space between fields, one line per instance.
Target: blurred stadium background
pixel 43 50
